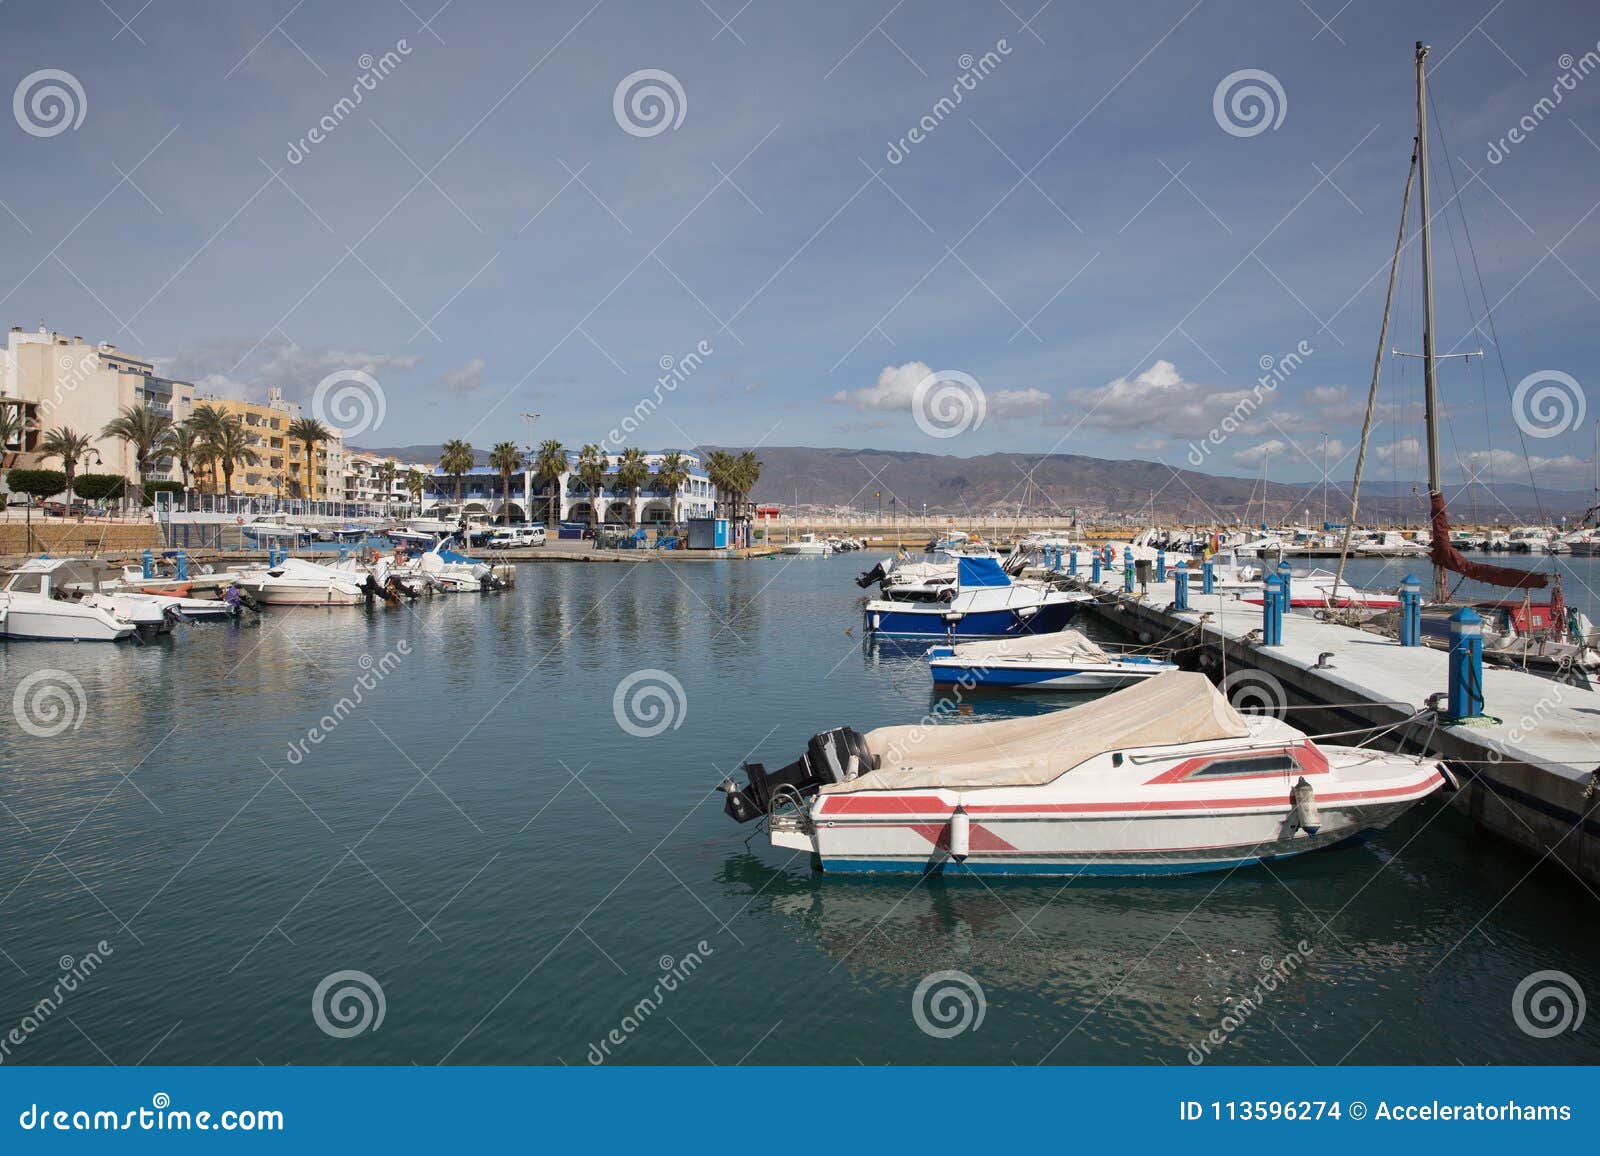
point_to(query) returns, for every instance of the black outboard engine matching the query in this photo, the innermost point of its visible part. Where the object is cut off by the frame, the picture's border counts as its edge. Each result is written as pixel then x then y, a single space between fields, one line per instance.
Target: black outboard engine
pixel 877 574
pixel 834 756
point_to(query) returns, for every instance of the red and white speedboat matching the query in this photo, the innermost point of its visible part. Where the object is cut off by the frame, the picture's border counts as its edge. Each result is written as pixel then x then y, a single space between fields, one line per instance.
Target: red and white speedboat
pixel 1162 778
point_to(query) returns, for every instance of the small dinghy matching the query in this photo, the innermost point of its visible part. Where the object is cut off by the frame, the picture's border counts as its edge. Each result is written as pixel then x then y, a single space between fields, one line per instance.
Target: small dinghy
pixel 1162 778
pixel 1067 660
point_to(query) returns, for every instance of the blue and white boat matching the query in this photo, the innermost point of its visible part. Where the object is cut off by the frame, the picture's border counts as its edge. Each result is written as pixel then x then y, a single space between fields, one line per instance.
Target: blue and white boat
pixel 985 603
pixel 1067 660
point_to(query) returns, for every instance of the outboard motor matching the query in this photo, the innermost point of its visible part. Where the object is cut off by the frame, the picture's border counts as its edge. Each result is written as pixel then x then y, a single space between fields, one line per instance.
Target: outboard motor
pixel 835 756
pixel 877 574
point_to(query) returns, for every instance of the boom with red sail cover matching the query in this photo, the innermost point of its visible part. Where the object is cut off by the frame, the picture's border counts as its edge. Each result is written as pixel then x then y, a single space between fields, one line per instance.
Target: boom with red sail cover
pixel 1447 557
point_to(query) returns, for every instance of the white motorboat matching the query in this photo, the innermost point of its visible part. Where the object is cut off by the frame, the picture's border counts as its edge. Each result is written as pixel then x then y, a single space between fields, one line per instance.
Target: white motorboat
pixel 298 582
pixel 1384 544
pixel 32 606
pixel 985 603
pixel 203 583
pixel 451 572
pixel 1162 778
pixel 807 545
pixel 1067 660
pixel 153 612
pixel 277 528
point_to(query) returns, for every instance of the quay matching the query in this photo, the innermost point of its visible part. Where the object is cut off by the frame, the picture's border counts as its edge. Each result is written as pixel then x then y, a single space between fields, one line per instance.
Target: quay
pixel 1529 769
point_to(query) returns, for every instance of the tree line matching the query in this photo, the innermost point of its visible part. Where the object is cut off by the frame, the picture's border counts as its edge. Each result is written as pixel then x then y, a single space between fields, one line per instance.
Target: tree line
pixel 210 441
pixel 732 476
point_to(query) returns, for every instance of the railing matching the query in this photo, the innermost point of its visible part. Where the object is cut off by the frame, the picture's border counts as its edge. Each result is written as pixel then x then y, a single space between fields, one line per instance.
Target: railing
pixel 258 507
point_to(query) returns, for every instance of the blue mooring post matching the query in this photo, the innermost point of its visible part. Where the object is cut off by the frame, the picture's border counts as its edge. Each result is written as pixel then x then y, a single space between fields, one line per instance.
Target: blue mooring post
pixel 183 565
pixel 1127 571
pixel 147 564
pixel 1180 587
pixel 1410 611
pixel 1466 664
pixel 1272 613
pixel 1072 563
pixel 1094 568
pixel 1285 575
pixel 1208 577
pixel 1161 565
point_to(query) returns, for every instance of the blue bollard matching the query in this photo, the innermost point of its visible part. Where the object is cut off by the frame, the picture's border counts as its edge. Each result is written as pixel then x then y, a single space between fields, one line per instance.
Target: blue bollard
pixel 1072 563
pixel 1180 587
pixel 1094 569
pixel 1208 577
pixel 1272 613
pixel 183 565
pixel 1161 565
pixel 1127 573
pixel 1285 576
pixel 1410 611
pixel 147 564
pixel 1466 664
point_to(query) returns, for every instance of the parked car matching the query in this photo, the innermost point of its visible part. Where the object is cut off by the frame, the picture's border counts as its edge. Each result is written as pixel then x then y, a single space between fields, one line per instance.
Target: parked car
pixel 515 538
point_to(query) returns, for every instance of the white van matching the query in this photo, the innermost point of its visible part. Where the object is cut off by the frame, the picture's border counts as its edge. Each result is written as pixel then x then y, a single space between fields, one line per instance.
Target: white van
pixel 515 538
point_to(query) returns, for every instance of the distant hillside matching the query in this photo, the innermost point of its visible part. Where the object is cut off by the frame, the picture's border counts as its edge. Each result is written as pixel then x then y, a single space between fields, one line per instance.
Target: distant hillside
pixel 1057 484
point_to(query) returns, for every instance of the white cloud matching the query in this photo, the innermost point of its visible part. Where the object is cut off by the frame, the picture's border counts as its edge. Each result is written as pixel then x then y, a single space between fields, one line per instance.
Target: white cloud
pixel 896 388
pixel 1402 454
pixel 1564 472
pixel 892 391
pixel 1250 458
pixel 243 368
pixel 1149 445
pixel 1162 399
pixel 464 380
pixel 1005 403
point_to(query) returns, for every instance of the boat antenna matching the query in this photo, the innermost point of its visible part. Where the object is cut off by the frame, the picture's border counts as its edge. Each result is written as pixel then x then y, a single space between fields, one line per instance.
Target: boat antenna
pixel 1430 385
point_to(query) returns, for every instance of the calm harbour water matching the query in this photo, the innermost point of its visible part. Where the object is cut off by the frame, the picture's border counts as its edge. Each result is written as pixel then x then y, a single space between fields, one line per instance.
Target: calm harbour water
pixel 516 871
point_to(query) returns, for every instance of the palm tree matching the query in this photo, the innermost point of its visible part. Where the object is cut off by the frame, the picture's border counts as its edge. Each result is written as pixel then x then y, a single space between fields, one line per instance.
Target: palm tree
pixel 549 464
pixel 633 471
pixel 386 481
pixel 13 424
pixel 671 472
pixel 70 446
pixel 456 458
pixel 506 458
pixel 188 447
pixel 309 432
pixel 207 420
pixel 231 447
pixel 719 467
pixel 146 433
pixel 746 472
pixel 593 465
pixel 415 483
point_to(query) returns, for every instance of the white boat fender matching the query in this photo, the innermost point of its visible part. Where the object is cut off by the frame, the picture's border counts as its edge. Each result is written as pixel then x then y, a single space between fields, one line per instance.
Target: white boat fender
pixel 1304 808
pixel 960 834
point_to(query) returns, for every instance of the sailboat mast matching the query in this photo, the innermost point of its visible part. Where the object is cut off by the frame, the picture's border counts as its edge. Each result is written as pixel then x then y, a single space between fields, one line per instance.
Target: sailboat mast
pixel 1430 388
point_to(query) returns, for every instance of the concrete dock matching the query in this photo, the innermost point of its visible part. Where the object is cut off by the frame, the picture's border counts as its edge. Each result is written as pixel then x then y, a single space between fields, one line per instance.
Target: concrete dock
pixel 1529 769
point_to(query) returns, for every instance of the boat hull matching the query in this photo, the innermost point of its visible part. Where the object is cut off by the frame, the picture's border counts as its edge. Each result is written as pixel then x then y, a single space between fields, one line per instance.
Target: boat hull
pixel 22 624
pixel 1052 845
pixel 269 595
pixel 1084 676
pixel 936 622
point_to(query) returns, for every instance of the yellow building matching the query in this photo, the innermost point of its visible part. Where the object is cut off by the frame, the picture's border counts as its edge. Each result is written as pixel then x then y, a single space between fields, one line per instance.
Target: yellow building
pixel 281 469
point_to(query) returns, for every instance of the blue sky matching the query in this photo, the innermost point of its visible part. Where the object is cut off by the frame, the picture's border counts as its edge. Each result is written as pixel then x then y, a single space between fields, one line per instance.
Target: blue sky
pixel 1080 236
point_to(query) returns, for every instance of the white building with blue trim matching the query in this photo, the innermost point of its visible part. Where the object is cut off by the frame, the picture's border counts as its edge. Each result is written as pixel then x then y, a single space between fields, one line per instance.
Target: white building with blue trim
pixel 482 495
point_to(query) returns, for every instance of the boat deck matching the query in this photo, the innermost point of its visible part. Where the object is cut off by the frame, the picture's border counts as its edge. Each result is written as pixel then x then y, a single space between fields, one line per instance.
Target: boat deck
pixel 1530 768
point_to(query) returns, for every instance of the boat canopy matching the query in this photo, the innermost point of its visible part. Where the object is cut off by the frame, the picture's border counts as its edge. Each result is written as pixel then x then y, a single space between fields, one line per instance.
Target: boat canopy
pixel 1064 644
pixel 1170 709
pixel 972 572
